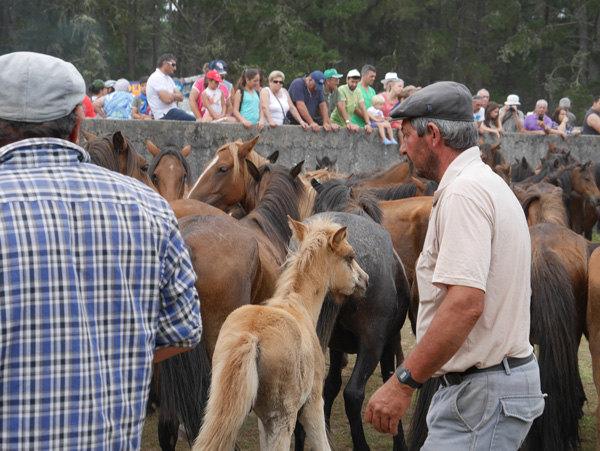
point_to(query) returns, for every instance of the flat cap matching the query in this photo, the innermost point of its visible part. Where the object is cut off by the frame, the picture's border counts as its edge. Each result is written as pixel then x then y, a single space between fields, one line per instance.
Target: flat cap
pixel 38 88
pixel 442 100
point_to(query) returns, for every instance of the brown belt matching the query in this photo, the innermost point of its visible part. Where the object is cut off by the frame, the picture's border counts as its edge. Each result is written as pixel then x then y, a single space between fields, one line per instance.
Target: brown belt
pixel 511 362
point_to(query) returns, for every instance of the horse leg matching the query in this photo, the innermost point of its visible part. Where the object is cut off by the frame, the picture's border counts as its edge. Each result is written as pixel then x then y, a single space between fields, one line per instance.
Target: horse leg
pixel 277 432
pixel 333 382
pixel 311 416
pixel 354 393
pixel 299 437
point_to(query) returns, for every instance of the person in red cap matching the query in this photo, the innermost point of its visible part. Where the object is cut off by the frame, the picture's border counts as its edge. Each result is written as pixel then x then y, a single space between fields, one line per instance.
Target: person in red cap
pixel 213 99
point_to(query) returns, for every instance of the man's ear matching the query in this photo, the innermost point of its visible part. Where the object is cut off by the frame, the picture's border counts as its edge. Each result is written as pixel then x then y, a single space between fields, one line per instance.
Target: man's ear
pixel 74 136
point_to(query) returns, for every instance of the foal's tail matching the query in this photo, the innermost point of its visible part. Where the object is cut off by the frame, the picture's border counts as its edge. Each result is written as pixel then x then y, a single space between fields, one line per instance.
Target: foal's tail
pixel 232 393
pixel 553 319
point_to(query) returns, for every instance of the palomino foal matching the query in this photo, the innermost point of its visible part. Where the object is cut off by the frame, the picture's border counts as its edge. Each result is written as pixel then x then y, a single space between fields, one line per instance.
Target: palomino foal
pixel 268 357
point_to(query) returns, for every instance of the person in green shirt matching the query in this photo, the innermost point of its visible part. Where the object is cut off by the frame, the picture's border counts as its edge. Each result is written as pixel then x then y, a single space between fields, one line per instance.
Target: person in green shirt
pixel 330 92
pixel 368 74
pixel 350 100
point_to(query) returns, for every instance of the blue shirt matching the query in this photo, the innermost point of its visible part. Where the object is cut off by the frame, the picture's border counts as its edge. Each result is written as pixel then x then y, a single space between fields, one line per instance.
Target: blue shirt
pixel 299 91
pixel 94 275
pixel 250 107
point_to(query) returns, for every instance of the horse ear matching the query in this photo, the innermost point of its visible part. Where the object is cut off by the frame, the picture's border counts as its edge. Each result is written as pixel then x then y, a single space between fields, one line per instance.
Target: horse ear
pixel 338 237
pixel 253 170
pixel 186 151
pixel 585 166
pixel 297 169
pixel 298 229
pixel 318 186
pixel 88 136
pixel 320 163
pixel 556 164
pixel 480 142
pixel 494 147
pixel 247 147
pixel 273 157
pixel 119 142
pixel 152 148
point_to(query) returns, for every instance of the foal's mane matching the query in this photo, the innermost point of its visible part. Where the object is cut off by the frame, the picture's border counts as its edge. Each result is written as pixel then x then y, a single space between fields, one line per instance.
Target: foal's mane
pixel 103 153
pixel 404 190
pixel 170 149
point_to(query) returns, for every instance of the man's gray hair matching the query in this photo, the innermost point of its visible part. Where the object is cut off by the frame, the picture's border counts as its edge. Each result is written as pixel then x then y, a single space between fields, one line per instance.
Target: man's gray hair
pixel 541 102
pixel 367 68
pixel 477 97
pixel 458 135
pixel 565 102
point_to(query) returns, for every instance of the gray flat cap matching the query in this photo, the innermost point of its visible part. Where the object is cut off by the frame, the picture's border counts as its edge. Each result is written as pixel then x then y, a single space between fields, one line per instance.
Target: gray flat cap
pixel 38 88
pixel 443 100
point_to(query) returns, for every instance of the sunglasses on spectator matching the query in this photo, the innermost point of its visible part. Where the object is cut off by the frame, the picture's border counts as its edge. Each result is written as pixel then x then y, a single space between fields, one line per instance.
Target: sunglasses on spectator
pixel 279 82
pixel 170 63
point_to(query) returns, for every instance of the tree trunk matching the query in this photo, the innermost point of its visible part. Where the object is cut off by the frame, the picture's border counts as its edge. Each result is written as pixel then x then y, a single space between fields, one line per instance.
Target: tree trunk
pixel 130 38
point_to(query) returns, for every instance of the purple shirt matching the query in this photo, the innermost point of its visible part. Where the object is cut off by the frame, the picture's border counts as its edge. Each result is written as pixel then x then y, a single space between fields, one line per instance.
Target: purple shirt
pixel 299 91
pixel 531 124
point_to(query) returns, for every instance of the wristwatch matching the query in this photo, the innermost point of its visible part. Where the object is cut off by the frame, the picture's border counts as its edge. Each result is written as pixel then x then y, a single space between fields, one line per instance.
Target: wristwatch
pixel 347 121
pixel 404 376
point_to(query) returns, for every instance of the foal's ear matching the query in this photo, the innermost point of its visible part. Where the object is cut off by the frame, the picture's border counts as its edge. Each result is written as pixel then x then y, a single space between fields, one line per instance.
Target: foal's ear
pixel 186 151
pixel 152 148
pixel 338 237
pixel 88 136
pixel 298 229
pixel 316 185
pixel 253 170
pixel 297 169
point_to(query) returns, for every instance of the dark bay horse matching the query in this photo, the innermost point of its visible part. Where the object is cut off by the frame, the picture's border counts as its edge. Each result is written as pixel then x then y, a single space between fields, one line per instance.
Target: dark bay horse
pixel 170 171
pixel 593 322
pixel 249 254
pixel 367 326
pixel 115 152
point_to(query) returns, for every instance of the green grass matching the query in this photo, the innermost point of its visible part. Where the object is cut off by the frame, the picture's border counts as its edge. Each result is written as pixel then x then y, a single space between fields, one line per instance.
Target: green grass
pixel 340 430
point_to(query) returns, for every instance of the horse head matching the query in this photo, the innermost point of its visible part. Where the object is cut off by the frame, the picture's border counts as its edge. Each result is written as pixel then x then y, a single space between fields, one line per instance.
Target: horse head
pixel 169 170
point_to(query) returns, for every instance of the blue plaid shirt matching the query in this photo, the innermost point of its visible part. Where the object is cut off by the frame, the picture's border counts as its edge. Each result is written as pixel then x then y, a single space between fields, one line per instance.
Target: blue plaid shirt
pixel 94 276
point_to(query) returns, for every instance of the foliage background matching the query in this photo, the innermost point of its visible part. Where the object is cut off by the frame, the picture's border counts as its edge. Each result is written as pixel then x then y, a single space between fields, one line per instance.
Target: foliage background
pixel 536 49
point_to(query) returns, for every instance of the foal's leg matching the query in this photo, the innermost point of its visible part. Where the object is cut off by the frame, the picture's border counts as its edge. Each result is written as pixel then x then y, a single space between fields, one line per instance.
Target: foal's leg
pixel 313 419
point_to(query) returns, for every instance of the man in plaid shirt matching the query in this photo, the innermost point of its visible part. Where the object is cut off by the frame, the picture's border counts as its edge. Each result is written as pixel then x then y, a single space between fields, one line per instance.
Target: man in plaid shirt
pixel 96 281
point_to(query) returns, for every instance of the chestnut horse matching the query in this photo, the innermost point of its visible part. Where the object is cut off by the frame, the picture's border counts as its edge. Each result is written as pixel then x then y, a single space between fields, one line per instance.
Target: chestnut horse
pixel 169 170
pixel 115 152
pixel 593 324
pixel 268 358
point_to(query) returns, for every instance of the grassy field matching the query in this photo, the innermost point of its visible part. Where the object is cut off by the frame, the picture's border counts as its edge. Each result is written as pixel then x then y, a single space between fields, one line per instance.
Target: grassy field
pixel 340 430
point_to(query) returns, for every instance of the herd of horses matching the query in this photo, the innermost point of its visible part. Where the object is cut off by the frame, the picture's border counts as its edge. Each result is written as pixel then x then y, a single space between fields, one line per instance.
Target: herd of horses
pixel 235 219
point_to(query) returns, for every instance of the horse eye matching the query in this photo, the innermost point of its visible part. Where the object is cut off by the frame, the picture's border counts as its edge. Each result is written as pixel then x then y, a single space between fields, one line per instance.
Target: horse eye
pixel 144 168
pixel 223 169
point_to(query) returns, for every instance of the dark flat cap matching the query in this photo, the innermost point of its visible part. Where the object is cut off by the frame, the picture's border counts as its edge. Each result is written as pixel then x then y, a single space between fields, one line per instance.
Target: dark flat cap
pixel 443 100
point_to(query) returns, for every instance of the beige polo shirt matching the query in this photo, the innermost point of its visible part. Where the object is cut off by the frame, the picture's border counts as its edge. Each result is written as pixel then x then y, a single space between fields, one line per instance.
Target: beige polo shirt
pixel 478 237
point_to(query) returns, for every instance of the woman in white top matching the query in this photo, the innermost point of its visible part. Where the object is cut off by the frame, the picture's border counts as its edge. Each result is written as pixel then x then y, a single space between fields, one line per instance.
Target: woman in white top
pixel 275 102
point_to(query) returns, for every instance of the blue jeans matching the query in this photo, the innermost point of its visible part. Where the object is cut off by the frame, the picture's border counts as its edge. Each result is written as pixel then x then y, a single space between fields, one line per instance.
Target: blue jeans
pixel 487 411
pixel 175 114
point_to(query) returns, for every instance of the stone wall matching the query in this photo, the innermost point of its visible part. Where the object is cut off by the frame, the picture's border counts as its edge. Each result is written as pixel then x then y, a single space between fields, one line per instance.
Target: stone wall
pixel 354 151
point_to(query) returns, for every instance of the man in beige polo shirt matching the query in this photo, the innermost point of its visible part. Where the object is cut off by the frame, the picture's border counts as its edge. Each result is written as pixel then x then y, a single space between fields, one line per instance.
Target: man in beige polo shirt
pixel 474 288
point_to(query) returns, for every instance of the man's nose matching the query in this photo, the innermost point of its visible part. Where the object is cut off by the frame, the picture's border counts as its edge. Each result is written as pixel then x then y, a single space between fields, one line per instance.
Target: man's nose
pixel 403 148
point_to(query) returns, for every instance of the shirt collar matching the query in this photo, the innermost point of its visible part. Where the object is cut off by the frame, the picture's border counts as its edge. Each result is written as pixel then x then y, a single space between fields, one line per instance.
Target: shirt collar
pixel 464 159
pixel 42 152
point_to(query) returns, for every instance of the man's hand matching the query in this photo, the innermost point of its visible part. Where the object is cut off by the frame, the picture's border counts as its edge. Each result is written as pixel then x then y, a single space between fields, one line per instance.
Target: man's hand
pixel 388 405
pixel 335 127
pixel 352 127
pixel 327 126
pixel 368 129
pixel 315 127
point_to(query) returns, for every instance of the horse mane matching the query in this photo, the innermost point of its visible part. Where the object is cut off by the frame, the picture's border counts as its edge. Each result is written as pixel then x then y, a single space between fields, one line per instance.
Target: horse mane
pixel 404 190
pixel 170 149
pixel 322 175
pixel 341 195
pixel 377 173
pixel 521 170
pixel 552 207
pixel 563 178
pixel 103 153
pixel 281 198
pixel 548 167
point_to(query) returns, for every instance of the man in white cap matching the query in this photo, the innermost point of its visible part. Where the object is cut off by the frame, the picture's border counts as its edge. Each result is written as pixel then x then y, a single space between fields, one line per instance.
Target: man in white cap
pixel 510 116
pixel 474 291
pixel 97 281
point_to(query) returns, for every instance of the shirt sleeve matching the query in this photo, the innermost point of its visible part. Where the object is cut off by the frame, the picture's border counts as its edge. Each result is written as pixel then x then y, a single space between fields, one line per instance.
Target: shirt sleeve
pixel 179 322
pixel 296 92
pixel 465 240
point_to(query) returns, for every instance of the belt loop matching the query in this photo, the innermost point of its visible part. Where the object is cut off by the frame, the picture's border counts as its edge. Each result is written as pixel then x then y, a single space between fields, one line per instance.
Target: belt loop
pixel 506 367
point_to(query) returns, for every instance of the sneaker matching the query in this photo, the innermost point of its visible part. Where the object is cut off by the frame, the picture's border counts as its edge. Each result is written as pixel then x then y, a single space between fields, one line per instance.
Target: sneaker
pixel 386 142
pixel 393 141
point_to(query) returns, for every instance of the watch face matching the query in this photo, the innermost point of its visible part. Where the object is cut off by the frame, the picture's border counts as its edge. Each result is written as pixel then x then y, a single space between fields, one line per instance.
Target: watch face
pixel 403 375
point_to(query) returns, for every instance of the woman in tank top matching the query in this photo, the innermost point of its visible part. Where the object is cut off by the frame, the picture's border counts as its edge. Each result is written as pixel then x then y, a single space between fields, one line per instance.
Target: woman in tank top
pixel 246 100
pixel 275 102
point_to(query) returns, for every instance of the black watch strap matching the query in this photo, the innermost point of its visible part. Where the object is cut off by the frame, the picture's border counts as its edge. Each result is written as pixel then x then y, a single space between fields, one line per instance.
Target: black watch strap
pixel 405 377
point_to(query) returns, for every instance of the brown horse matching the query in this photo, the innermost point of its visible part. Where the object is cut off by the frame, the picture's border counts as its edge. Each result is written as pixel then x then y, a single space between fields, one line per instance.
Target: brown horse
pixel 115 152
pixel 392 175
pixel 593 323
pixel 268 357
pixel 169 170
pixel 543 202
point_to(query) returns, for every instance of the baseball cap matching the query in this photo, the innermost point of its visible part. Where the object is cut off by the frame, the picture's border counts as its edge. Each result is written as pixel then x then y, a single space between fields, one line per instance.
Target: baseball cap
pixel 512 99
pixel 109 83
pixel 319 79
pixel 98 84
pixel 214 75
pixel 332 73
pixel 353 73
pixel 31 73
pixel 446 100
pixel 219 65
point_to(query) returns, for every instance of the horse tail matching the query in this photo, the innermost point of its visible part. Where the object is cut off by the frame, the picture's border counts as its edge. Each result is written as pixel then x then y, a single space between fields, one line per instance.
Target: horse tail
pixel 183 380
pixel 417 432
pixel 233 391
pixel 553 319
